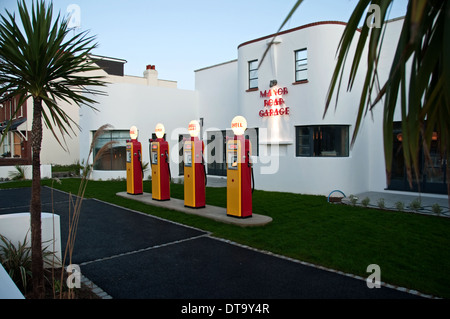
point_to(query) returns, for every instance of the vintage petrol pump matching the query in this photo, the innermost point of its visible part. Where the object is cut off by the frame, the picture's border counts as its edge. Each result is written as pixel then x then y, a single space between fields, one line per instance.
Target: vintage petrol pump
pixel 159 159
pixel 134 164
pixel 239 171
pixel 194 168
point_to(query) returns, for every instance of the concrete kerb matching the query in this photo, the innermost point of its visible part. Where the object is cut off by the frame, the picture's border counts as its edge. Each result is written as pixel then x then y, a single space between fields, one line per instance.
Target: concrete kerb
pixel 212 212
pixel 396 201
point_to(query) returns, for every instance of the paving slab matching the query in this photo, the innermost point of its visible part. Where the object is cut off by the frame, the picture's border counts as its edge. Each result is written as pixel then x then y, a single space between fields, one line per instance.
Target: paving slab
pixel 212 212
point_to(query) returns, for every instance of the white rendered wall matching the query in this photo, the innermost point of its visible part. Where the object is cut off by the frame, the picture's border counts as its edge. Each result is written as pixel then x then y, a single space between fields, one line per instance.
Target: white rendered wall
pixel 126 105
pixel 277 167
pixel 217 99
pixel 52 152
pixel 46 171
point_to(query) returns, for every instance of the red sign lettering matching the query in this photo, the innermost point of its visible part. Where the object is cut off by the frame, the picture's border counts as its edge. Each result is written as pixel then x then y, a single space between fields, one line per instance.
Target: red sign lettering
pixel 273 92
pixel 274 112
pixel 274 103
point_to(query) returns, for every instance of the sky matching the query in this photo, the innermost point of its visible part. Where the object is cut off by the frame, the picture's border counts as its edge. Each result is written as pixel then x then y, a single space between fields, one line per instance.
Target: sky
pixel 181 36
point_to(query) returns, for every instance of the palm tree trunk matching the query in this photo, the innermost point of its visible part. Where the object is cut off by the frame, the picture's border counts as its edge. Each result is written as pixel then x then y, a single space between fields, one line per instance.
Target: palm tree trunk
pixel 37 263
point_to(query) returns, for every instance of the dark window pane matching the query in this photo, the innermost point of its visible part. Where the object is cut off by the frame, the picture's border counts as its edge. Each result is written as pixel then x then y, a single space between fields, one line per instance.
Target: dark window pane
pixel 329 141
pixel 303 147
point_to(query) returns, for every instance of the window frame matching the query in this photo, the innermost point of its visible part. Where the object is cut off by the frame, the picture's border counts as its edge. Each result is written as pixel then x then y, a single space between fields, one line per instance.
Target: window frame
pixel 303 66
pixel 108 136
pixel 315 146
pixel 250 78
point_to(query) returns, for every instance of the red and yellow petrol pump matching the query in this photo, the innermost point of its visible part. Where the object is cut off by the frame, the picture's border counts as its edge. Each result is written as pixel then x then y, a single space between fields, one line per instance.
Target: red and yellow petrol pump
pixel 159 159
pixel 239 171
pixel 194 168
pixel 134 164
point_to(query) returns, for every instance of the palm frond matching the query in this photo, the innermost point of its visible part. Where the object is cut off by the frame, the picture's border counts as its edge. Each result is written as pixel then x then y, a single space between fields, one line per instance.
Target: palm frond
pixel 44 61
pixel 288 17
pixel 422 96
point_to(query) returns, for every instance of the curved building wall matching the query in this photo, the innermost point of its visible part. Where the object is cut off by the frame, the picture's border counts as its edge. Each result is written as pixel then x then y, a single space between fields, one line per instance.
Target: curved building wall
pixel 279 167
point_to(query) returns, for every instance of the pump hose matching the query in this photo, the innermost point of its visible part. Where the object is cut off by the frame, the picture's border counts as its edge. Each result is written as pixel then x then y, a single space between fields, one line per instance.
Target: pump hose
pixel 168 166
pixel 251 172
pixel 140 162
pixel 204 170
pixel 253 180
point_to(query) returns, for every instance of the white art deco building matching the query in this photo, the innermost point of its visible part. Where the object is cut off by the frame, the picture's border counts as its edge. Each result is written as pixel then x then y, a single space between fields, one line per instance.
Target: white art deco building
pixel 295 148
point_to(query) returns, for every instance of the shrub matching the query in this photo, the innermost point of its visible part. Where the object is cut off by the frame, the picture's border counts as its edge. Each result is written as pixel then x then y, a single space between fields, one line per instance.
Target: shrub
pixel 400 206
pixel 380 203
pixel 436 208
pixel 353 199
pixel 18 174
pixel 365 201
pixel 415 205
pixel 17 261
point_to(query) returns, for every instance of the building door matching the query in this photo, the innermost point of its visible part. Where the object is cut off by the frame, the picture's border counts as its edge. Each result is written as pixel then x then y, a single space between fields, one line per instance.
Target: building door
pixel 433 172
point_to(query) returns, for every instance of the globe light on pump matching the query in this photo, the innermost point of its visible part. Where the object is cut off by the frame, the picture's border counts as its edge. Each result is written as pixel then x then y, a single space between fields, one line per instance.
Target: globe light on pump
pixel 133 132
pixel 194 128
pixel 239 125
pixel 159 130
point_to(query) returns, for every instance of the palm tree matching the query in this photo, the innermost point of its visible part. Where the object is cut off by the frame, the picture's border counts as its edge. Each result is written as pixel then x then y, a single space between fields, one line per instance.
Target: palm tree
pixel 423 96
pixel 423 49
pixel 40 60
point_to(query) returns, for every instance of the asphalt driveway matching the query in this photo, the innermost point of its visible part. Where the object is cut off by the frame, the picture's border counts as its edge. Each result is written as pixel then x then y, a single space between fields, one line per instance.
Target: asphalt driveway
pixel 131 255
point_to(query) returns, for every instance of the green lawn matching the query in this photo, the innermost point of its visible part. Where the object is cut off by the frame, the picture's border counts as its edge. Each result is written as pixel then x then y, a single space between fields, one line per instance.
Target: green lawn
pixel 412 250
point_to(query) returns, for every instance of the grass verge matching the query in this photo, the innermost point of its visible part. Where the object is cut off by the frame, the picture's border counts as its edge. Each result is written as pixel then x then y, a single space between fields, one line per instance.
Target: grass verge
pixel 411 249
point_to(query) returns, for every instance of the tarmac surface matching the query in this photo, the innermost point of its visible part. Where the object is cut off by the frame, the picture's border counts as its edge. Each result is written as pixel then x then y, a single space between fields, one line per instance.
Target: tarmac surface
pixel 131 255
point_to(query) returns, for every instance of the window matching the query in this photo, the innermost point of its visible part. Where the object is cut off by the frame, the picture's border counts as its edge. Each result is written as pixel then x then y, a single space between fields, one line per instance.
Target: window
pixel 17 140
pixel 323 141
pixel 20 111
pixel 115 157
pixel 432 167
pixel 253 74
pixel 11 111
pixel 6 148
pixel 301 65
pixel 13 108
